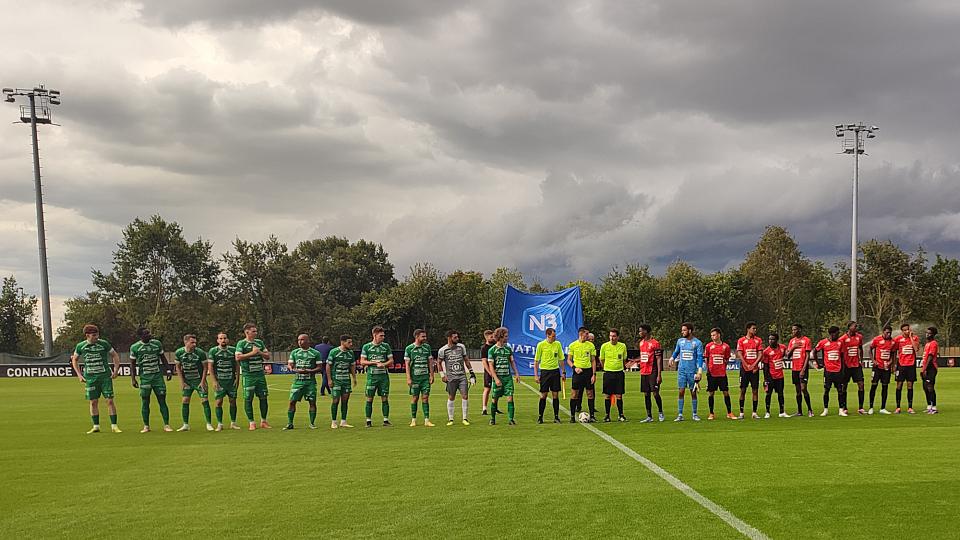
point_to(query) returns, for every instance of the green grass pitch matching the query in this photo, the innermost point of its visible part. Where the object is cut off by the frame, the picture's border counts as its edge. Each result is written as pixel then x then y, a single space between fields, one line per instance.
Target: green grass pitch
pixel 856 477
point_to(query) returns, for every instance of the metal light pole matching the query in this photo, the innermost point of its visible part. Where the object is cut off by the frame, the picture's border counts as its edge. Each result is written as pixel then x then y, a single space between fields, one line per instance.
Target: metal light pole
pixel 853 136
pixel 33 115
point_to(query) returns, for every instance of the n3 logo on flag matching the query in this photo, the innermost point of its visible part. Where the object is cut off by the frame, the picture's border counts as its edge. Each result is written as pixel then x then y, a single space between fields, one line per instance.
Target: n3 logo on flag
pixel 538 318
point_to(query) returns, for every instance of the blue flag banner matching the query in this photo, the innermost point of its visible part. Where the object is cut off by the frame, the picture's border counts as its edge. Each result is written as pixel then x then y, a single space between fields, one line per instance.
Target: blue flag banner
pixel 528 315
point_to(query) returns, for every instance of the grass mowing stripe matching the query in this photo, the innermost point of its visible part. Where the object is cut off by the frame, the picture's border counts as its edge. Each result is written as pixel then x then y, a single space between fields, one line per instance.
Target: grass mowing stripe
pixel 719 511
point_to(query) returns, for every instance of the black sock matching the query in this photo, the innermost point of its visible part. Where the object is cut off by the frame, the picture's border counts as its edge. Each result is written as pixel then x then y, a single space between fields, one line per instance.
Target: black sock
pixel 899 395
pixel 741 405
pixel 556 408
pixel 710 402
pixel 883 397
pixel 780 401
pixel 799 403
pixel 826 398
pixel 755 405
pixel 860 397
pixel 606 406
pixel 873 394
pixel 659 402
pixel 910 397
pixel 543 405
pixel 726 401
pixel 573 407
pixel 620 406
pixel 767 401
pixel 592 404
pixel 806 397
pixel 933 396
pixel 647 403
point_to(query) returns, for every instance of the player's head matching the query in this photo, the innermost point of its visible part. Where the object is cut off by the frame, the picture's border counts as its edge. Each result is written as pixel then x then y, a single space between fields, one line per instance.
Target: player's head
pixel 222 339
pixel 303 341
pixel 378 334
pixel 326 339
pixel 453 337
pixel 488 337
pixel 834 332
pixel 189 342
pixel 852 328
pixel 773 339
pixel 143 334
pixel 346 341
pixel 716 335
pixel 645 331
pixel 931 333
pixel 614 335
pixel 686 329
pixel 250 331
pixel 501 334
pixel 887 331
pixel 582 333
pixel 796 329
pixel 590 336
pixel 551 335
pixel 91 332
pixel 905 329
pixel 419 336
pixel 751 328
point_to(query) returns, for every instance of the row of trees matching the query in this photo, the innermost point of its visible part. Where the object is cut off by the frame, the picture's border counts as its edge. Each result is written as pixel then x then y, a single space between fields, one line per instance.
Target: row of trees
pixel 330 286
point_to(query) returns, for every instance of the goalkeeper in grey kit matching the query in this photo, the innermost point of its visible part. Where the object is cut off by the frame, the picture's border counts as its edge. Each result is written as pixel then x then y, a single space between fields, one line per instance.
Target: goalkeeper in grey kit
pixel 454 366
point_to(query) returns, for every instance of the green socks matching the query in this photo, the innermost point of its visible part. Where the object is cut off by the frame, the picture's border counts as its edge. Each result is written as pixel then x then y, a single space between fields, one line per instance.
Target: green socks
pixel 145 411
pixel 368 409
pixel 233 412
pixel 313 417
pixel 96 419
pixel 385 408
pixel 426 409
pixel 413 410
pixel 164 411
pixel 206 410
pixel 343 409
pixel 113 419
pixel 510 409
pixel 263 408
pixel 219 414
pixel 333 411
pixel 290 416
pixel 185 412
pixel 248 408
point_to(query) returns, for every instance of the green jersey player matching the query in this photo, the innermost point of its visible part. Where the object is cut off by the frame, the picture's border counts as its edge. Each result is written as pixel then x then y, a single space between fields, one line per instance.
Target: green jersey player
pixel 225 372
pixel 251 352
pixel 499 363
pixel 418 360
pixel 192 367
pixel 341 371
pixel 305 362
pixel 149 361
pixel 97 376
pixel 377 357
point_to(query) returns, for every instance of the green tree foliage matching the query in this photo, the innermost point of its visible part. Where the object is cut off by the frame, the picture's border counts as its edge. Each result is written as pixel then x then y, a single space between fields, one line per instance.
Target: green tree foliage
pixel 19 333
pixel 940 296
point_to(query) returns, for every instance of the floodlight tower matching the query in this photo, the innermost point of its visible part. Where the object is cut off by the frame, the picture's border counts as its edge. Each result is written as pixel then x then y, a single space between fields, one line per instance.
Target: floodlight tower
pixel 38 112
pixel 853 136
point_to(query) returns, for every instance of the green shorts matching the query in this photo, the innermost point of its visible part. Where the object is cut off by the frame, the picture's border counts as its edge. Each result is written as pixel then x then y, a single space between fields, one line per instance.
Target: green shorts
pixel 194 386
pixel 152 383
pixel 255 385
pixel 420 386
pixel 99 384
pixel 505 389
pixel 339 388
pixel 228 388
pixel 303 390
pixel 377 385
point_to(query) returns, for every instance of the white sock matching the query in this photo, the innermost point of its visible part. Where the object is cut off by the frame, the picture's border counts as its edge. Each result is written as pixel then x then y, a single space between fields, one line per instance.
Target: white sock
pixel 463 408
pixel 450 410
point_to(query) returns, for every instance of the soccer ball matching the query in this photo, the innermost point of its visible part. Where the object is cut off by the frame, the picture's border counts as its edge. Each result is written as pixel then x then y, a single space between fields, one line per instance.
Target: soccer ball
pixel 583 417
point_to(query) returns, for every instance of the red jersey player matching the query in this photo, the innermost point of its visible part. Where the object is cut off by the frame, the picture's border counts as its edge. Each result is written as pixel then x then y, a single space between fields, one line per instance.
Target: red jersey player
pixel 883 352
pixel 907 346
pixel 717 353
pixel 749 348
pixel 651 367
pixel 773 372
pixel 832 350
pixel 928 369
pixel 798 352
pixel 852 353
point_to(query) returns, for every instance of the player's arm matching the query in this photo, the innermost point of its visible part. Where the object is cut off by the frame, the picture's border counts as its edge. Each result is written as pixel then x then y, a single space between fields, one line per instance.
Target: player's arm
pixel 363 359
pixel 468 367
pixel 166 364
pixel 75 363
pixel 676 352
pixel 319 366
pixel 389 361
pixel 205 371
pixel 699 358
pixel 658 363
pixel 133 369
pixel 265 353
pixel 487 366
pixel 570 360
pixel 212 373
pixel 406 368
pixel 432 366
pixel 329 370
pixel 115 356
pixel 536 363
pixel 516 372
pixel 179 367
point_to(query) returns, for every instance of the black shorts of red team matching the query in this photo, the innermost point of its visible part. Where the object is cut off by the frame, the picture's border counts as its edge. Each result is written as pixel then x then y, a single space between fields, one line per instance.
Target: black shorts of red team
pixel 614 383
pixel 907 373
pixel 854 374
pixel 717 383
pixel 749 378
pixel 648 383
pixel 771 384
pixel 834 379
pixel 799 377
pixel 581 381
pixel 880 375
pixel 549 380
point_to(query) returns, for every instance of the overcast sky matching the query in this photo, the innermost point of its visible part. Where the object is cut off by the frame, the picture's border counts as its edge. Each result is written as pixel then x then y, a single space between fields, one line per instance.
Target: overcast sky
pixel 562 138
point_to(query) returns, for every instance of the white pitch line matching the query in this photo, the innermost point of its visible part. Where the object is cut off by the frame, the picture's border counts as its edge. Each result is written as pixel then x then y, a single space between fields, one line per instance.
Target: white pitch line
pixel 714 508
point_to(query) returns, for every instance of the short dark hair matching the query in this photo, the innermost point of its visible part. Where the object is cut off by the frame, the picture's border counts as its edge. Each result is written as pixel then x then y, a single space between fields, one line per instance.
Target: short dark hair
pixel 376 329
pixel 717 330
pixel 749 324
pixel 851 323
pixel 887 327
pixel 932 330
pixel 550 331
pixel 904 325
pixel 90 329
pixel 451 332
pixel 833 329
pixel 188 336
pixel 325 339
pixel 248 326
pixel 419 331
pixel 646 328
pixel 688 325
pixel 798 325
pixel 583 329
pixel 614 331
pixel 774 335
pixel 345 337
pixel 487 333
pixel 142 331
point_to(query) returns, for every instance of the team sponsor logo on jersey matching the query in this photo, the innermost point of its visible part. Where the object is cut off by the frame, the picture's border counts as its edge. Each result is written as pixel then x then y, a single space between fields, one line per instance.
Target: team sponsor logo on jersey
pixel 717 359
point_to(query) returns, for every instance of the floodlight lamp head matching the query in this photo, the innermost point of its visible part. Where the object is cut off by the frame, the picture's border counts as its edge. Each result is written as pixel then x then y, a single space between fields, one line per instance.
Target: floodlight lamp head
pixel 54 92
pixel 8 90
pixel 9 99
pixel 851 126
pixel 874 128
pixel 54 101
pixel 838 127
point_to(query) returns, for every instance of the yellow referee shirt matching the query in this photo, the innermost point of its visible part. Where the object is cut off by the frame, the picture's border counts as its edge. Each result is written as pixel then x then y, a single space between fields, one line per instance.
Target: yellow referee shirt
pixel 549 354
pixel 582 352
pixel 613 356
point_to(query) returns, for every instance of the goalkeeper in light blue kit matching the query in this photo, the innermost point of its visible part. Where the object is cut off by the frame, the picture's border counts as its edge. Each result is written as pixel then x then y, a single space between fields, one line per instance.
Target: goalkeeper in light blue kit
pixel 688 357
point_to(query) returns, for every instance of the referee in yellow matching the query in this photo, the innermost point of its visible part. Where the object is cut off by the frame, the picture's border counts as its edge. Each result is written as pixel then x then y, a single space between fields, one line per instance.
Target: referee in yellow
pixel 582 357
pixel 547 372
pixel 612 356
